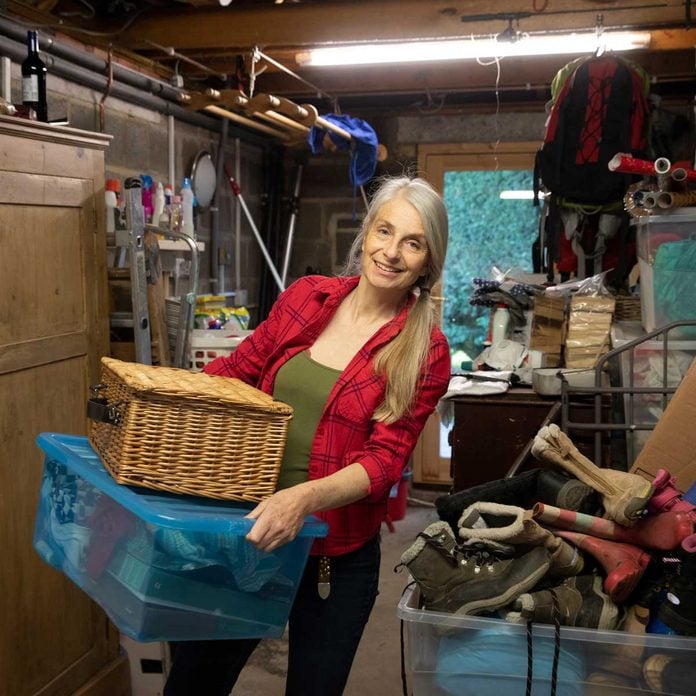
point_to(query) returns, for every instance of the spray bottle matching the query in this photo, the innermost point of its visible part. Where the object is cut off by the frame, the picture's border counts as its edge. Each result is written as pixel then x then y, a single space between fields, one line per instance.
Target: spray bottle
pixel 146 196
pixel 187 208
pixel 158 204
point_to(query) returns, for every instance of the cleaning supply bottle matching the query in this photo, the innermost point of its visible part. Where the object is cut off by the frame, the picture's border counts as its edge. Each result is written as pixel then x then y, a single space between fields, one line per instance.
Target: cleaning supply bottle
pixel 112 189
pixel 176 214
pixel 158 206
pixel 146 196
pixel 111 212
pixel 187 208
pixel 500 324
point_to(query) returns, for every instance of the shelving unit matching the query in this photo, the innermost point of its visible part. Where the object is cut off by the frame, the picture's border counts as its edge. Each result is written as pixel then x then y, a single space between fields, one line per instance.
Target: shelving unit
pixel 628 416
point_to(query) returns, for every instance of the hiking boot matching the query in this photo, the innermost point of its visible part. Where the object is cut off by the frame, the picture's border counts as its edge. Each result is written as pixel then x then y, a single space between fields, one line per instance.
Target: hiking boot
pixel 664 531
pixel 471 580
pixel 624 496
pixel 507 524
pixel 667 496
pixel 623 564
pixel 678 609
pixel 668 674
pixel 524 489
pixel 581 602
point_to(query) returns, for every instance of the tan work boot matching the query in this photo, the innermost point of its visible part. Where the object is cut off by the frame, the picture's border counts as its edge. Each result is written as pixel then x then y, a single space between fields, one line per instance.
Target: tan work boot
pixel 624 495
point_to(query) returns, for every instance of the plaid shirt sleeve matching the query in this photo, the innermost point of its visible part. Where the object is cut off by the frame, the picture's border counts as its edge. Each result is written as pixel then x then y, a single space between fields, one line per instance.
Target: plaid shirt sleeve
pixel 390 445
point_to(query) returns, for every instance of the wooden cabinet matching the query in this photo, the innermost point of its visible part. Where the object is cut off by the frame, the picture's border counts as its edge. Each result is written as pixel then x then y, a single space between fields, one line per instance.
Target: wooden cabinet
pixel 493 434
pixel 53 331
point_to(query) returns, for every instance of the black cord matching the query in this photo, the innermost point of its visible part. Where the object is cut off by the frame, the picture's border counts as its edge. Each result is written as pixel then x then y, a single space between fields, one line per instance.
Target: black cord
pixel 404 686
pixel 402 645
pixel 556 613
pixel 530 660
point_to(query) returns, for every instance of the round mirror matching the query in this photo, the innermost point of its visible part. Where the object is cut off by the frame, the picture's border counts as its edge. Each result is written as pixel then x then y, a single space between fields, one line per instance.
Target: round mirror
pixel 203 179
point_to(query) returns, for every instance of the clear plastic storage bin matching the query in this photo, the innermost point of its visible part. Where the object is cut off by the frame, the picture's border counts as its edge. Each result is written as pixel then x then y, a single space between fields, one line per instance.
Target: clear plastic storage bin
pixel 474 656
pixel 667 262
pixel 162 566
pixel 650 368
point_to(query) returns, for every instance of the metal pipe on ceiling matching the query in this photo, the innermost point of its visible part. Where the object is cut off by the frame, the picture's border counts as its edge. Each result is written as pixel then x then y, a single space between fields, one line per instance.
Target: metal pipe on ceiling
pixel 128 76
pixel 127 85
pixel 86 78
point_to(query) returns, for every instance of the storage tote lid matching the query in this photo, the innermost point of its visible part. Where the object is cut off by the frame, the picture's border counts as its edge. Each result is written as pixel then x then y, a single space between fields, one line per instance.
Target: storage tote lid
pixel 173 381
pixel 170 510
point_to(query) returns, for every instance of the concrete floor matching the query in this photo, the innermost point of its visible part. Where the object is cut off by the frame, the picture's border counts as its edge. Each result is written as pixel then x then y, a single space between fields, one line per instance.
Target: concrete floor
pixel 377 665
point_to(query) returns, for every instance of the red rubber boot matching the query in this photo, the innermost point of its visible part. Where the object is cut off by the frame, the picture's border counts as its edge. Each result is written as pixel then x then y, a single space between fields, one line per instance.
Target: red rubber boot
pixel 624 564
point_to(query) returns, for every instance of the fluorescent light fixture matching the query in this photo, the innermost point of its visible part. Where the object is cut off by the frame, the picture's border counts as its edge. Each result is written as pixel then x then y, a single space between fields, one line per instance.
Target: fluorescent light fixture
pixel 460 49
pixel 519 195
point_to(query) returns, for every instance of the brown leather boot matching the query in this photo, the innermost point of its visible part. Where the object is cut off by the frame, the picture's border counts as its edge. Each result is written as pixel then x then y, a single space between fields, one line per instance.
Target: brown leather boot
pixel 624 564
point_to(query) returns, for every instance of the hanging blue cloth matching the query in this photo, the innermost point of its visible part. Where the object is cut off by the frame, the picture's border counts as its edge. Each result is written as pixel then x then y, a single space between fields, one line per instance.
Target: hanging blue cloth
pixel 363 145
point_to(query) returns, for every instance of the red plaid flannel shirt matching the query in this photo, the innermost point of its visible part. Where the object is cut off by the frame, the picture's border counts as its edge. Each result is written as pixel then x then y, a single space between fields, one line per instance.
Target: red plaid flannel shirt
pixel 346 432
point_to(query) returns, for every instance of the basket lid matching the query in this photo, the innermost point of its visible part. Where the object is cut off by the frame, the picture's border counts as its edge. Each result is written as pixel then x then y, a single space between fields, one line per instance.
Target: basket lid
pixel 174 381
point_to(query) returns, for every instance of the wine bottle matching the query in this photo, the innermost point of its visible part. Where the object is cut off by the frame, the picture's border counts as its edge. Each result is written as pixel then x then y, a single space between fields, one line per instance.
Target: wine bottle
pixel 34 79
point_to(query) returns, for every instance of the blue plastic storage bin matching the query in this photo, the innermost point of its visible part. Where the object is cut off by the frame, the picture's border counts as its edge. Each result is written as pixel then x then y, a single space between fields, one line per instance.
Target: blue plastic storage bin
pixel 162 566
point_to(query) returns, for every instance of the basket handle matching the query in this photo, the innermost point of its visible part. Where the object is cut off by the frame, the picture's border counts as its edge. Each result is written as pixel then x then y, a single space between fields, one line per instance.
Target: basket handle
pixel 99 409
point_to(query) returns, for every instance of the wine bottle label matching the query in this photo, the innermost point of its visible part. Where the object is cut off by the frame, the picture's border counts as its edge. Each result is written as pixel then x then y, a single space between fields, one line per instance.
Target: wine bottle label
pixel 30 88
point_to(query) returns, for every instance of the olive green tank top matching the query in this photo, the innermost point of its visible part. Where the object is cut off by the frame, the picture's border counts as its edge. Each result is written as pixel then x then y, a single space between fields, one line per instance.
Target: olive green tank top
pixel 305 385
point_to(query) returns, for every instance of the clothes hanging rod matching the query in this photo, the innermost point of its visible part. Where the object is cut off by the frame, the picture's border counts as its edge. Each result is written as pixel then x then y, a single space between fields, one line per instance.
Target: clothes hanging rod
pixel 250 108
pixel 301 118
pixel 226 113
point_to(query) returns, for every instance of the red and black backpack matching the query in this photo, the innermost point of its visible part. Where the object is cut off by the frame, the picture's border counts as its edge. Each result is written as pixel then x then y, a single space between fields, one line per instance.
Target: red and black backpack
pixel 599 108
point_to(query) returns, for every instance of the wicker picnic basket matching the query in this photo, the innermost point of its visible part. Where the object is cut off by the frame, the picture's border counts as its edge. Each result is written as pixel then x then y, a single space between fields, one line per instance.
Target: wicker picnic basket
pixel 185 432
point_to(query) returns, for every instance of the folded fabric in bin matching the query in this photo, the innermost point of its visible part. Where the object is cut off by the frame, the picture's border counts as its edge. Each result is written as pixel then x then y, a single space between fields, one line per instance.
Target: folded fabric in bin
pixel 493 662
pixel 675 290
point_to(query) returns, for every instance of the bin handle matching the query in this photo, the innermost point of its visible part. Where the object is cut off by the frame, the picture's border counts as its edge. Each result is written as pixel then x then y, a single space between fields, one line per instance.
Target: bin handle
pixel 99 409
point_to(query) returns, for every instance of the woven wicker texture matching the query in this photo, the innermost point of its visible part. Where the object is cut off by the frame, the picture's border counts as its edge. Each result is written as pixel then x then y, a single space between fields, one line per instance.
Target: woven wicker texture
pixel 627 308
pixel 190 432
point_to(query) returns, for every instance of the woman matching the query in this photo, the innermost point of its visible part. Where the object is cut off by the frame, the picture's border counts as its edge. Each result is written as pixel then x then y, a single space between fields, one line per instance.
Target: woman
pixel 360 359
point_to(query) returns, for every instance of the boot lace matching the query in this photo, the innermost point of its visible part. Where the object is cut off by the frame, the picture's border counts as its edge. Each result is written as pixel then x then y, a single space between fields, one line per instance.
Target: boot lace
pixel 481 555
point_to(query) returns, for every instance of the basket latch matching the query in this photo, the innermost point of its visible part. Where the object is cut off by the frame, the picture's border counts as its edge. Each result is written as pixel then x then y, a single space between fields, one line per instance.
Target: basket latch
pixel 99 409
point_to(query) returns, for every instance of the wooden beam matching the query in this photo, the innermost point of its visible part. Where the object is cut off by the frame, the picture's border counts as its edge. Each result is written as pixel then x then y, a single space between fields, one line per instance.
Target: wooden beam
pixel 298 25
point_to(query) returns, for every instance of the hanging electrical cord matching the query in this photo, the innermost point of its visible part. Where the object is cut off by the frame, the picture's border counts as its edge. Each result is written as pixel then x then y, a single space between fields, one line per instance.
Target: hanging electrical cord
pixel 107 91
pixel 169 50
pixel 257 55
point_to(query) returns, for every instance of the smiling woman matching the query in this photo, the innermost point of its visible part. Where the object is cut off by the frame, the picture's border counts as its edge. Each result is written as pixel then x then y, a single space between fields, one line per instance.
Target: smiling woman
pixel 362 362
pixel 395 251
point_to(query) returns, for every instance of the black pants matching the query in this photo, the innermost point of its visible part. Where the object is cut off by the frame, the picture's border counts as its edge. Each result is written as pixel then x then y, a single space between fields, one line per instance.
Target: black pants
pixel 324 635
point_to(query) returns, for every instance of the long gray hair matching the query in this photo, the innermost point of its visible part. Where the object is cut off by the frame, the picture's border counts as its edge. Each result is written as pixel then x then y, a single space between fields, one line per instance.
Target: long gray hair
pixel 401 360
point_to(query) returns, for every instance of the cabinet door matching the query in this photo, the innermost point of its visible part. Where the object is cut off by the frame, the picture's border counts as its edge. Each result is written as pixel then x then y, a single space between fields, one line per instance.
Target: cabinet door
pixel 53 330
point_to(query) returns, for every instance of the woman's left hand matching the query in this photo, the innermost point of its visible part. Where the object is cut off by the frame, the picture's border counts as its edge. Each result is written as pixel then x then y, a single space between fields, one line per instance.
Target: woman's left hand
pixel 279 518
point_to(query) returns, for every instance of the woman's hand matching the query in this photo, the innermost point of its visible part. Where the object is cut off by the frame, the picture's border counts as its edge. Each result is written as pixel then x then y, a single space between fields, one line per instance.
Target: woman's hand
pixel 279 518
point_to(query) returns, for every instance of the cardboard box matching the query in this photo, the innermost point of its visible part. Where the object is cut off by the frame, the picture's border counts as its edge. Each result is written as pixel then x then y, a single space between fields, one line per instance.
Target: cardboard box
pixel 548 324
pixel 672 445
